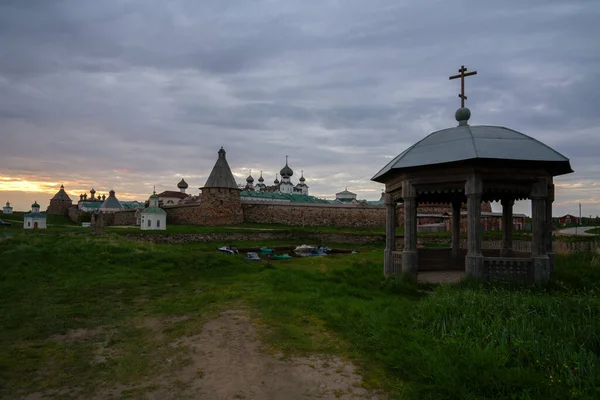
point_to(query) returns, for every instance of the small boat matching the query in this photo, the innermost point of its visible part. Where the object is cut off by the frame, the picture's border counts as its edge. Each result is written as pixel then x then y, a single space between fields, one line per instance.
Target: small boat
pixel 281 257
pixel 266 250
pixel 308 251
pixel 324 249
pixel 252 256
pixel 228 250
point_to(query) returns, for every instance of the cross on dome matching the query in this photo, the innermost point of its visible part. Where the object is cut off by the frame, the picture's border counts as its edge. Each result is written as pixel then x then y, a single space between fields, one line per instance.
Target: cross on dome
pixel 462 76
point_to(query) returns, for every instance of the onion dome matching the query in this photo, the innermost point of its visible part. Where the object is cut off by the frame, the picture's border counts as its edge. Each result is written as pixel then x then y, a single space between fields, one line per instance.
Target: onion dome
pixel 302 177
pixel 250 179
pixel 93 191
pixel 276 181
pixel 286 171
pixel 35 205
pixel 182 185
pixel 261 179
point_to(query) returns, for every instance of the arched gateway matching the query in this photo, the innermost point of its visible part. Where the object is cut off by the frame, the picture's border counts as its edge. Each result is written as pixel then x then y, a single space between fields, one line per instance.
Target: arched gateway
pixel 474 164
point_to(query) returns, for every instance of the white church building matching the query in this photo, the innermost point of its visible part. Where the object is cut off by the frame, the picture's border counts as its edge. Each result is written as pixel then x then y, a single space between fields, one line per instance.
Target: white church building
pixel 7 209
pixel 35 219
pixel 153 217
pixel 286 186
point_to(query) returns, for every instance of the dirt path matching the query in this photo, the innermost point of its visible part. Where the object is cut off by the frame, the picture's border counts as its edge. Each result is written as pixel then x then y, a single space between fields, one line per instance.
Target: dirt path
pixel 228 363
pixel 224 361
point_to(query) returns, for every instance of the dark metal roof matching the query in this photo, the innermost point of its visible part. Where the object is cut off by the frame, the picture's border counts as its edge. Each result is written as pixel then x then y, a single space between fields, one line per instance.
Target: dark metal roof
pixel 286 171
pixel 61 194
pixel 111 202
pixel 466 142
pixel 221 176
pixel 183 184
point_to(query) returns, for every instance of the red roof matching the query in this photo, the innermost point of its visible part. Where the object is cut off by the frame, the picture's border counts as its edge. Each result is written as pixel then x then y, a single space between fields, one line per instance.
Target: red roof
pixel 172 193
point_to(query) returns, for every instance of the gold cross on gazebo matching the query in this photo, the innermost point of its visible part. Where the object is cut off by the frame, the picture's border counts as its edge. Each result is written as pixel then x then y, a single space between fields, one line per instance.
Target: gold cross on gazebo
pixel 462 75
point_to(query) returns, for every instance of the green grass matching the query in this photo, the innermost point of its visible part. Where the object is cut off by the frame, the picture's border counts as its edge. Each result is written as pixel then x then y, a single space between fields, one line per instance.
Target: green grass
pixel 470 341
pixel 595 231
pixel 248 227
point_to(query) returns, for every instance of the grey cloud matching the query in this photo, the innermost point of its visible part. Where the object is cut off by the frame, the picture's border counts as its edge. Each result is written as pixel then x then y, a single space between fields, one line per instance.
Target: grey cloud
pixel 155 88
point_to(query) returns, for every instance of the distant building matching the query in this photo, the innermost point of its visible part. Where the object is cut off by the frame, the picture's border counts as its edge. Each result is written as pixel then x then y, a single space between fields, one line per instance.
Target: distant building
pixel 153 217
pixel 111 204
pixel 569 219
pixel 60 203
pixel 7 209
pixel 171 197
pixel 346 197
pixel 94 204
pixel 35 219
pixel 285 186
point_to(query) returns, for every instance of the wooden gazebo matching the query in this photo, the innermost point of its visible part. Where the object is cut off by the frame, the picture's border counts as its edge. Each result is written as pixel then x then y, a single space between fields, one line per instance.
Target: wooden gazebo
pixel 473 164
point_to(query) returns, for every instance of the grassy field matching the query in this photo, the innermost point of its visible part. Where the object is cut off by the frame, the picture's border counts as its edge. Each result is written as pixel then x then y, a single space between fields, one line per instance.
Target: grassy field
pixel 470 341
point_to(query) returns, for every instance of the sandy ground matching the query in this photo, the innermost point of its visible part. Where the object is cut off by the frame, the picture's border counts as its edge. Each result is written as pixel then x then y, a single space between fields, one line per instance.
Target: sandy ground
pixel 228 363
pixel 226 360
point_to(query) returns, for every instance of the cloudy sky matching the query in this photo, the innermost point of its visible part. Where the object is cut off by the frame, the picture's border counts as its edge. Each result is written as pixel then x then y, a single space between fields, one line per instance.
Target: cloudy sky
pixel 131 94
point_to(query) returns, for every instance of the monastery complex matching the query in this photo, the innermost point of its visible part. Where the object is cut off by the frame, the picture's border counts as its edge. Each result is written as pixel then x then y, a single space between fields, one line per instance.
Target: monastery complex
pixel 223 202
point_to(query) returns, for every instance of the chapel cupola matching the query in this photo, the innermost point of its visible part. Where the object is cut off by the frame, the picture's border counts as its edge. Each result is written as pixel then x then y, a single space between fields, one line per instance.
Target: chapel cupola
pixel 286 172
pixel 182 185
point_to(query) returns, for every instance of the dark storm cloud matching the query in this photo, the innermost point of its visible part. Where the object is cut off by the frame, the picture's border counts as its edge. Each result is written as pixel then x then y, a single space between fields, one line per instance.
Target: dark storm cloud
pixel 154 88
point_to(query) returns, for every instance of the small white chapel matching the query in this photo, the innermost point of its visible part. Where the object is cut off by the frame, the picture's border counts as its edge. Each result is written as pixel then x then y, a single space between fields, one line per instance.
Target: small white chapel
pixel 153 217
pixel 7 209
pixel 35 219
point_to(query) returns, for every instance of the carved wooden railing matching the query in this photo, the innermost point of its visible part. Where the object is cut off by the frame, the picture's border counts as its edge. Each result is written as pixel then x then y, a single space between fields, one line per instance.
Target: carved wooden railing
pixel 504 268
pixel 396 263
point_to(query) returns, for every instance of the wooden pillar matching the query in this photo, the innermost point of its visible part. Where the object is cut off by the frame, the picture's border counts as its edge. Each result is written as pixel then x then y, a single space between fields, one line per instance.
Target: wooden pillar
pixel 410 261
pixel 549 249
pixel 390 236
pixel 456 229
pixel 541 262
pixel 474 259
pixel 539 197
pixel 507 227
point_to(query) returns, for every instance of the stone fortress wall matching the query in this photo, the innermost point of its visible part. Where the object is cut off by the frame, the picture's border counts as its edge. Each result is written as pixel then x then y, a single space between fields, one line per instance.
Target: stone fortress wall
pixel 262 212
pixel 224 207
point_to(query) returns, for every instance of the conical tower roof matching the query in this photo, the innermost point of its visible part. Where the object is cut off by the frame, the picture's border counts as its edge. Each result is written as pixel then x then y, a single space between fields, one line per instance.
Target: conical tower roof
pixel 61 194
pixel 221 176
pixel 111 202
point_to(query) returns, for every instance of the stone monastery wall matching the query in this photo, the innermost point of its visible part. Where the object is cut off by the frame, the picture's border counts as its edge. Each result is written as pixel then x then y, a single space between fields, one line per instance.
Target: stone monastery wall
pixel 224 208
pixel 188 214
pixel 59 207
pixel 218 207
pixel 314 214
pixel 261 212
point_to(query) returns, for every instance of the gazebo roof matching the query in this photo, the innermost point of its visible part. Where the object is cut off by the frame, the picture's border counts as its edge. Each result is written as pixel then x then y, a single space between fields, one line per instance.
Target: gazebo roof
pixel 479 142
